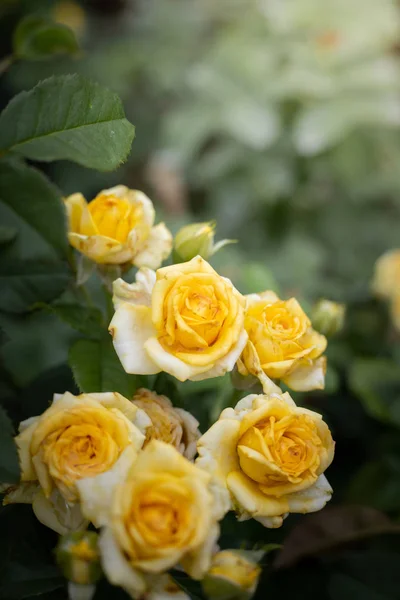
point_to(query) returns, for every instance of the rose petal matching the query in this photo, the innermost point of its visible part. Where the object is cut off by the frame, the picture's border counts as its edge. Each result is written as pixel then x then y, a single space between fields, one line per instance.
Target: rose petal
pixel 249 497
pixel 117 568
pixel 169 363
pixel 227 363
pixel 96 492
pixel 217 448
pixel 312 499
pixel 307 376
pixel 156 249
pixel 58 515
pixel 135 293
pixel 130 328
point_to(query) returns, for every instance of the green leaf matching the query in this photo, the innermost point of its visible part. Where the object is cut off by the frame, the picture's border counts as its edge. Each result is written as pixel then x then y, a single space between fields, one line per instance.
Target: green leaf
pixel 33 206
pixel 85 319
pixel 377 383
pixel 9 465
pixel 7 234
pixel 24 282
pixel 36 38
pixel 96 368
pixel 68 118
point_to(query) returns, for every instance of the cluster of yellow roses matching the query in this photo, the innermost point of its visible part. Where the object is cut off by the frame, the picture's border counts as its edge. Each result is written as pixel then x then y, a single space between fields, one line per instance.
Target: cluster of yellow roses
pixel 129 466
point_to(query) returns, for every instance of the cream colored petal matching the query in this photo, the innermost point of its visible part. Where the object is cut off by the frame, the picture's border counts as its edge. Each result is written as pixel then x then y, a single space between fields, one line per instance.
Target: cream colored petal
pixel 198 562
pixel 161 563
pixel 101 249
pixel 163 587
pixel 312 499
pixel 248 496
pixel 43 474
pixel 271 522
pixel 96 492
pixel 227 363
pixel 217 449
pixel 117 569
pixel 130 328
pixel 156 249
pixel 168 362
pixel 268 297
pixel 308 375
pixel 23 441
pixel 27 423
pixel 253 365
pixel 135 293
pixel 58 515
pixel 22 493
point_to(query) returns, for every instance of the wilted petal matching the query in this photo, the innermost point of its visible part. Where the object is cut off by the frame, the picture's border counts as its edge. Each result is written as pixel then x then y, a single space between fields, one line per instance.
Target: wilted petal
pixel 156 249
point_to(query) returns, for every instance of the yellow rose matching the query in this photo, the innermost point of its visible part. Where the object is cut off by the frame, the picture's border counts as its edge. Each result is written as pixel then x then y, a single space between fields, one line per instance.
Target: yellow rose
pixel 386 281
pixel 189 323
pixel 271 455
pixel 77 438
pixel 233 574
pixel 282 344
pixel 159 511
pixel 168 424
pixel 117 227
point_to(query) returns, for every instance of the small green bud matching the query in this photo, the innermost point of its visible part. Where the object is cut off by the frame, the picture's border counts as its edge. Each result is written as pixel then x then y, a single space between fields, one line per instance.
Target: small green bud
pixel 232 576
pixel 78 557
pixel 328 317
pixel 197 239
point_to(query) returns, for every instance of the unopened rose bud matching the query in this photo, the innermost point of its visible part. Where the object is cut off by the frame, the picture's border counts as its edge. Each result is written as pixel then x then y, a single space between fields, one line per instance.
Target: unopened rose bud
pixel 232 576
pixel 78 557
pixel 328 317
pixel 197 239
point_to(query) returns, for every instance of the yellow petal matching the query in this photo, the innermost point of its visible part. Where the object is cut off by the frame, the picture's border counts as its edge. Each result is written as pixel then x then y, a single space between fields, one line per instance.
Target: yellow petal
pixel 169 363
pixel 226 363
pixel 248 496
pixel 217 448
pixel 101 249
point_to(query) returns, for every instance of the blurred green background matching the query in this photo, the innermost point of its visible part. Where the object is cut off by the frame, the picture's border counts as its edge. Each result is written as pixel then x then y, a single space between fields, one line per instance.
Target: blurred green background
pixel 281 120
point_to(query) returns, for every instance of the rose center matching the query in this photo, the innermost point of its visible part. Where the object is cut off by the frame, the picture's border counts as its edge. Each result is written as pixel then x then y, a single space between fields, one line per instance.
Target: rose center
pixel 115 217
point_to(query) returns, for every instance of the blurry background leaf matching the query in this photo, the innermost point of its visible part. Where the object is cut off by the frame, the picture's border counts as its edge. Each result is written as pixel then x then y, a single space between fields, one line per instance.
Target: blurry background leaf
pixel 88 127
pixel 9 465
pixel 37 38
pixel 332 527
pixel 25 282
pixel 7 234
pixel 377 384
